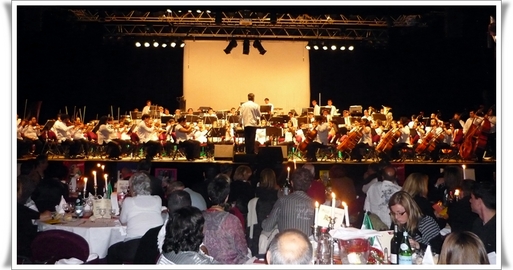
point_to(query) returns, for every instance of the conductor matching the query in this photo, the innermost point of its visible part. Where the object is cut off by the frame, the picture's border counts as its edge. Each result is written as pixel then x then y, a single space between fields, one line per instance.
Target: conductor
pixel 250 112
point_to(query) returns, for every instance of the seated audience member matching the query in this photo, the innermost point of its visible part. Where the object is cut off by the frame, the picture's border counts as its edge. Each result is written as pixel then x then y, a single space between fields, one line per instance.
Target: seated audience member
pixel 295 210
pixel 317 190
pixel 290 247
pixel 379 194
pixel 184 235
pixel 460 215
pixel 483 202
pixel 29 185
pixel 26 231
pixel 50 190
pixel 196 198
pixel 224 234
pixel 150 245
pixel 144 166
pixel 423 229
pixel 463 248
pixel 241 190
pixel 139 212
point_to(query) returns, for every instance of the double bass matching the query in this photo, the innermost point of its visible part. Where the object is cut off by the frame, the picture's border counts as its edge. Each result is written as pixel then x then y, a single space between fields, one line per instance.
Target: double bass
pixel 476 137
pixel 387 140
pixel 351 140
pixel 309 137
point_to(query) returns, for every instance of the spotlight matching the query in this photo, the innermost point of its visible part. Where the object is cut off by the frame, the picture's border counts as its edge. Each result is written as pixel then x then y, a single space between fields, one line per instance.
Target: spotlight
pixel 164 45
pixel 230 46
pixel 173 44
pixel 350 48
pixel 259 47
pixel 324 47
pixel 182 44
pixel 333 47
pixel 155 44
pixel 245 47
pixel 198 11
pixel 146 44
pixel 169 10
pixel 316 47
pixel 138 44
pixel 342 48
pixel 308 47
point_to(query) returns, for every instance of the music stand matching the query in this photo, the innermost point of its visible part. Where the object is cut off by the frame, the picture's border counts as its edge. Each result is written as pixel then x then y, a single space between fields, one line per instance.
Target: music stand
pixel 273 131
pixel 305 111
pixel 135 115
pixel 165 119
pixel 302 120
pixel 455 123
pixel 221 114
pixel 48 125
pixel 265 110
pixel 234 119
pixel 204 109
pixel 355 110
pixel 338 119
pixel 196 113
pixel 379 116
pixel 217 132
pixel 209 119
pixel 324 108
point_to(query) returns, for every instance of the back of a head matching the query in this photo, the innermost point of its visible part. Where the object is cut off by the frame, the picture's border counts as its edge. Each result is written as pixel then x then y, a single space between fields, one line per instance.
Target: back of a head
pixel 211 172
pixel 389 173
pixel 463 248
pixel 453 176
pixel 218 189
pixel 486 191
pixel 301 179
pixel 144 165
pixel 27 167
pixel 310 167
pixel 140 184
pixel 175 185
pixel 290 246
pixel 337 171
pixel 184 230
pixel 178 199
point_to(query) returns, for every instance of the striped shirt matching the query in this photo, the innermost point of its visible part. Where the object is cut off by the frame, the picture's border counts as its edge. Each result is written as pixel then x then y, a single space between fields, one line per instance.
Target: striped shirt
pixel 428 230
pixel 292 211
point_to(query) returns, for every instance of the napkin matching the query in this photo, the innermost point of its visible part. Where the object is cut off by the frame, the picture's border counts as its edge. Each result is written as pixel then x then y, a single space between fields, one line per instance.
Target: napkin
pixel 352 233
pixel 114 202
pixel 69 261
pixel 60 208
pixel 86 206
pixel 428 257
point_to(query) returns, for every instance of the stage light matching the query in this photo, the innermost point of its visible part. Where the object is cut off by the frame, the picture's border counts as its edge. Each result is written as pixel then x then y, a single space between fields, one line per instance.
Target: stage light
pixel 146 44
pixel 182 44
pixel 173 44
pixel 245 47
pixel 230 46
pixel 350 48
pixel 155 44
pixel 333 47
pixel 169 10
pixel 342 48
pixel 316 47
pixel 259 47
pixel 308 47
pixel 138 44
pixel 164 45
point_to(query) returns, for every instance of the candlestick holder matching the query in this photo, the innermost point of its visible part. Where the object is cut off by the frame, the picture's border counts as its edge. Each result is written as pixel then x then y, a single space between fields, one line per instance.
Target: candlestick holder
pixel 316 232
pixel 331 223
pixel 95 191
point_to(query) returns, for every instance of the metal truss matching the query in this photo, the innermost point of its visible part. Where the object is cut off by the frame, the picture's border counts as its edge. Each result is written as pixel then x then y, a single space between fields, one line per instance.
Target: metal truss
pixel 245 24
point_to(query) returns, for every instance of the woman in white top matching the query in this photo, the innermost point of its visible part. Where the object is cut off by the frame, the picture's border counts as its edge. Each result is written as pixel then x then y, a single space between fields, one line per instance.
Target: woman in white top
pixel 140 212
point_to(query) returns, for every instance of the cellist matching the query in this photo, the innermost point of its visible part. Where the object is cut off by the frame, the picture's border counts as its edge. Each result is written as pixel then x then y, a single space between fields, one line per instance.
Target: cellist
pixel 364 142
pixel 321 128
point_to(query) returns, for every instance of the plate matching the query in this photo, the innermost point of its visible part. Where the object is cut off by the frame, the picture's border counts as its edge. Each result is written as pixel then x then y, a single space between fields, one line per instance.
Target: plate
pixel 53 221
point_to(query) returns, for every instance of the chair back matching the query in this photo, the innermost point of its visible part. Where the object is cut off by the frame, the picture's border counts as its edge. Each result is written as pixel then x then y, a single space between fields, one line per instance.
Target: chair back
pixel 134 137
pixel 52 136
pixel 53 245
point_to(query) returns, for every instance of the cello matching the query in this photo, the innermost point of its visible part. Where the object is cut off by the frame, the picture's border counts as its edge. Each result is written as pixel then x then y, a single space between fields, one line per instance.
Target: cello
pixel 351 140
pixel 309 137
pixel 468 146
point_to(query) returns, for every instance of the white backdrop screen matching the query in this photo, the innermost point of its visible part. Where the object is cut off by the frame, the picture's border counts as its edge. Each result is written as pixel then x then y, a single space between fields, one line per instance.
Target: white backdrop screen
pixel 221 81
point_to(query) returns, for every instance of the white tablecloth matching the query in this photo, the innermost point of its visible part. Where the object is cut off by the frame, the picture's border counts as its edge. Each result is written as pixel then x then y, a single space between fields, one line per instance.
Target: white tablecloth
pixel 99 234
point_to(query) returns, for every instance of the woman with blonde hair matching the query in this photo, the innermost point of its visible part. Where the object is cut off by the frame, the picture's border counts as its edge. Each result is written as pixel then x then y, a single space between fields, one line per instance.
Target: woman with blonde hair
pixel 463 248
pixel 422 229
pixel 416 184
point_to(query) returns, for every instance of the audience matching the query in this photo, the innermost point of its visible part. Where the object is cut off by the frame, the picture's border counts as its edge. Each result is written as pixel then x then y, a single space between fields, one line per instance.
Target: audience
pixel 463 248
pixel 316 191
pixel 184 235
pixel 483 203
pixel 139 212
pixel 144 166
pixel 224 234
pixel 241 190
pixel 290 246
pixel 50 190
pixel 379 194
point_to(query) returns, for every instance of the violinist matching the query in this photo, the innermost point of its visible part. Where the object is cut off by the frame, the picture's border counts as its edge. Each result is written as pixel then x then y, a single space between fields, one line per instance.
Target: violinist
pixel 106 136
pixel 293 120
pixel 365 141
pixel 147 130
pixel 31 134
pixel 192 147
pixel 23 144
pixel 403 140
pixel 78 135
pixel 447 130
pixel 320 129
pixel 63 129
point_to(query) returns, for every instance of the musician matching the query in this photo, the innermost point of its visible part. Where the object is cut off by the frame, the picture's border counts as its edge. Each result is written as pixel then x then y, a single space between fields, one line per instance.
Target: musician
pixel 147 133
pixel 327 115
pixel 260 137
pixel 403 140
pixel 124 140
pixel 469 122
pixel 347 119
pixel 63 133
pixel 293 120
pixel 365 141
pixel 333 111
pixel 250 112
pixel 266 101
pixel 447 130
pixel 23 145
pixel 178 114
pixel 190 111
pixel 333 133
pixel 232 112
pixel 492 137
pixel 146 109
pixel 106 135
pixel 78 134
pixel 321 128
pixel 192 147
pixel 169 139
pixel 310 118
pixel 166 112
pixel 31 134
pixel 316 108
pixel 200 132
pixel 367 116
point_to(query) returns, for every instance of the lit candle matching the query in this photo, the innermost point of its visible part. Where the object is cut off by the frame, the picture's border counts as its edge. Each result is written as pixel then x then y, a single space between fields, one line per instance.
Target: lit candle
pixel 288 172
pixel 294 163
pixel 346 213
pixel 98 165
pixel 464 167
pixel 94 178
pixel 457 194
pixel 332 205
pixel 85 183
pixel 103 167
pixel 316 215
pixel 106 180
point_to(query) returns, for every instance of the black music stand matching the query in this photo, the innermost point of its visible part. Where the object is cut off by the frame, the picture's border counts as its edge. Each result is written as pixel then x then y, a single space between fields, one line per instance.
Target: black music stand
pixel 165 119
pixel 135 115
pixel 196 113
pixel 217 132
pixel 355 110
pixel 191 118
pixel 324 108
pixel 455 123
pixel 337 119
pixel 305 111
pixel 273 131
pixel 221 114
pixel 302 120
pixel 234 119
pixel 209 119
pixel 277 120
pixel 48 125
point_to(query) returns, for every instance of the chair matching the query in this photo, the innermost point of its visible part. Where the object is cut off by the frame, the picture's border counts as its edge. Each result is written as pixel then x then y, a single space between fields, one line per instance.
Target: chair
pixel 53 245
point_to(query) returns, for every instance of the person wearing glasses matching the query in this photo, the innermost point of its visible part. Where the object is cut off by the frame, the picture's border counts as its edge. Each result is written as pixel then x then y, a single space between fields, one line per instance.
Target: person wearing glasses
pixel 422 229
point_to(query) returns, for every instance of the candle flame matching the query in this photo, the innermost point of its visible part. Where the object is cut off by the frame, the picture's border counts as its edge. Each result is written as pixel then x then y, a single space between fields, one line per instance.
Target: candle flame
pixel 457 192
pixel 103 166
pixel 106 176
pixel 98 165
pixel 464 166
pixel 94 172
pixel 288 169
pixel 333 195
pixel 344 204
pixel 316 204
pixel 85 179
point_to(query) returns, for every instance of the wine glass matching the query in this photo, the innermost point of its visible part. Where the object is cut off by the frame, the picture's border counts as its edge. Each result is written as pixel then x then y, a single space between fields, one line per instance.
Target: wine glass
pixel 102 212
pixel 112 212
pixel 66 208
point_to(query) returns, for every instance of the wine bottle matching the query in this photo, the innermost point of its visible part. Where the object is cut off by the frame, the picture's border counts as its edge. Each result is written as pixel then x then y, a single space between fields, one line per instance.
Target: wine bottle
pixel 79 205
pixel 394 245
pixel 405 252
pixel 286 187
pixel 324 247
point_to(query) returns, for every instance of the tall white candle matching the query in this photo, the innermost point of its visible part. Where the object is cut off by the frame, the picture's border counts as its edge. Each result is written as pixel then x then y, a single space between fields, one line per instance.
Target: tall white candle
pixel 103 167
pixel 94 178
pixel 332 205
pixel 106 180
pixel 316 215
pixel 346 213
pixel 85 183
pixel 464 167
pixel 288 172
pixel 294 163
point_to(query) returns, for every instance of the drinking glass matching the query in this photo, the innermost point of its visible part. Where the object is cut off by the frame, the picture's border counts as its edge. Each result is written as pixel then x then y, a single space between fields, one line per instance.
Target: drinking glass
pixel 66 208
pixel 112 212
pixel 103 211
